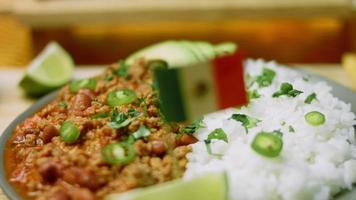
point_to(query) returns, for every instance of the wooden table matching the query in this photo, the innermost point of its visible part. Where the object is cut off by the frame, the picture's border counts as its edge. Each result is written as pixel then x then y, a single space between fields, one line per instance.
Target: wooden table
pixel 13 102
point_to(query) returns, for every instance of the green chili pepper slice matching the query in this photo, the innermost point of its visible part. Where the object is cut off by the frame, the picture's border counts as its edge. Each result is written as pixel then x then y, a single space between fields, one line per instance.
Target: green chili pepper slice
pixel 315 118
pixel 119 153
pixel 69 132
pixel 267 144
pixel 89 83
pixel 121 97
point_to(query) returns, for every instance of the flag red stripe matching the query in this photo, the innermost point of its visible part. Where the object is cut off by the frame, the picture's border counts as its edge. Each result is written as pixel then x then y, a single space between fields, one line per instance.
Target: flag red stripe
pixel 229 81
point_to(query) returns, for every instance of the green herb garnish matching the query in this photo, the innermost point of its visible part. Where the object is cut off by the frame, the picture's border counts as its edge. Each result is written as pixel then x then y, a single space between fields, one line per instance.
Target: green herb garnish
pixel 266 78
pixel 291 129
pixel 310 98
pixel 194 127
pixel 247 122
pixel 253 94
pixel 120 119
pixel 208 148
pixel 218 134
pixel 133 113
pixel 100 115
pixel 141 132
pixel 287 89
pixel 315 118
pixel 109 77
pixel 122 71
pixel 278 133
pixel 143 100
pixel 63 104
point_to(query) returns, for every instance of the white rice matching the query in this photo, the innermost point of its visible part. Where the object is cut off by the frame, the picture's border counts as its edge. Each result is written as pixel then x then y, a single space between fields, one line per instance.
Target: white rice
pixel 316 162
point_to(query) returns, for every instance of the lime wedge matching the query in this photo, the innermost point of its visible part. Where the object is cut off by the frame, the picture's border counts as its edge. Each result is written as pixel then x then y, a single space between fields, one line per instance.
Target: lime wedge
pixel 208 187
pixel 51 69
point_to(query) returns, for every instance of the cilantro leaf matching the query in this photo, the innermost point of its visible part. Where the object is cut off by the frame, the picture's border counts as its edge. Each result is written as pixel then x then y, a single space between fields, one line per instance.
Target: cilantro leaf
pixel 141 132
pixel 109 77
pixel 120 119
pixel 247 122
pixel 133 113
pixel 122 71
pixel 266 78
pixel 208 149
pixel 100 115
pixel 253 94
pixel 218 134
pixel 310 98
pixel 286 89
pixel 190 129
pixel 63 104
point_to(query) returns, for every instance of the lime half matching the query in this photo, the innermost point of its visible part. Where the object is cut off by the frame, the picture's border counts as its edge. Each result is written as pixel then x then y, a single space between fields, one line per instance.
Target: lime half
pixel 51 69
pixel 208 187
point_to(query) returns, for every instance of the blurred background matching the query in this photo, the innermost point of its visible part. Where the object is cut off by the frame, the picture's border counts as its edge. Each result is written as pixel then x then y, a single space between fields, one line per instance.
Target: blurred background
pixel 102 31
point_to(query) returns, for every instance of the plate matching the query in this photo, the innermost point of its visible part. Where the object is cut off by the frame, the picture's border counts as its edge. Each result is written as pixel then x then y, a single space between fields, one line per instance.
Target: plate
pixel 338 90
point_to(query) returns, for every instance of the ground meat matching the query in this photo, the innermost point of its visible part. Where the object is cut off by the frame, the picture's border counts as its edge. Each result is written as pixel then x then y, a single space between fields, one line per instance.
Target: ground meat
pixel 81 177
pixel 50 171
pixel 46 167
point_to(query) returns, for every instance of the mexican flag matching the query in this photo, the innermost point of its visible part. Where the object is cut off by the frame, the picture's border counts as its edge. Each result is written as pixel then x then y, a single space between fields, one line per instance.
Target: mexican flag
pixel 189 92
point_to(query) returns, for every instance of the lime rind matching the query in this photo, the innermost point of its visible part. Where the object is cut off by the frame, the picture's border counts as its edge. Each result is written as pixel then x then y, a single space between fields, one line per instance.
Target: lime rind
pixel 208 187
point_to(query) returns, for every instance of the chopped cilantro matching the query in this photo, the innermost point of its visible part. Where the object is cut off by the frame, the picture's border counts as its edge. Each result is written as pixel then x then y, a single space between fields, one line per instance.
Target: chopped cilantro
pixel 190 129
pixel 122 71
pixel 133 113
pixel 109 77
pixel 310 98
pixel 253 94
pixel 63 104
pixel 120 119
pixel 143 100
pixel 291 129
pixel 247 122
pixel 277 132
pixel 266 78
pixel 208 148
pixel 141 132
pixel 287 89
pixel 218 134
pixel 100 115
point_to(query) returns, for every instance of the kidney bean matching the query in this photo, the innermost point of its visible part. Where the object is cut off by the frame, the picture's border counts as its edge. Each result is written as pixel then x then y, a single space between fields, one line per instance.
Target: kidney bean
pixel 81 177
pixel 50 171
pixel 158 147
pixel 48 133
pixel 186 139
pixel 82 101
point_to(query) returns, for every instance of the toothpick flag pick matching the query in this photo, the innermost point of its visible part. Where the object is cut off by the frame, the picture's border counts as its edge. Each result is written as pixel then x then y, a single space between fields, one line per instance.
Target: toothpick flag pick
pixel 189 92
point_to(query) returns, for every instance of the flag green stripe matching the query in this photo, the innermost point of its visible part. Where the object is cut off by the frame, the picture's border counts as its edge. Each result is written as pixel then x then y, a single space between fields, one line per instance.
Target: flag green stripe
pixel 170 93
